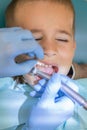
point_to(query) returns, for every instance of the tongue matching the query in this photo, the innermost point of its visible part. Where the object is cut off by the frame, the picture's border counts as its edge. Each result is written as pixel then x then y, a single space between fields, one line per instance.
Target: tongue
pixel 46 70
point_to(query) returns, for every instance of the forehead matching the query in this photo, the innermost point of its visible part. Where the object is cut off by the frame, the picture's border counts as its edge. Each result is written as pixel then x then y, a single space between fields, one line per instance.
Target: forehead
pixel 44 14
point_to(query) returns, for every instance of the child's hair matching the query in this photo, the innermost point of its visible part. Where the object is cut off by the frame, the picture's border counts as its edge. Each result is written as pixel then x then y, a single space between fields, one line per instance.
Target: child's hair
pixel 10 12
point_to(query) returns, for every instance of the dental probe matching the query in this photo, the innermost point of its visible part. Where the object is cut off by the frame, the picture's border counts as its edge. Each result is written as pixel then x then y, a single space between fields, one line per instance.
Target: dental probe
pixel 73 95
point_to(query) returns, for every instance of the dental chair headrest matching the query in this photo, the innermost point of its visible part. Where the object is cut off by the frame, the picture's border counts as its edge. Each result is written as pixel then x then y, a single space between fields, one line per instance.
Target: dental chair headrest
pixel 81 30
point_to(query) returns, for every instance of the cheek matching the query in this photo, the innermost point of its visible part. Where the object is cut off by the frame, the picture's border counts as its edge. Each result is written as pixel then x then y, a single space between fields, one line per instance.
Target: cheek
pixel 66 53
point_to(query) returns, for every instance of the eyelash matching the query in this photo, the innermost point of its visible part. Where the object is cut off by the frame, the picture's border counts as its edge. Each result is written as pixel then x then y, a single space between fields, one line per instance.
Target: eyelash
pixel 38 39
pixel 62 40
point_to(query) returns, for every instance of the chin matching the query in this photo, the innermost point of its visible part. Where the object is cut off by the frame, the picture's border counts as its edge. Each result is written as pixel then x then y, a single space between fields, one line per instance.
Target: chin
pixel 64 70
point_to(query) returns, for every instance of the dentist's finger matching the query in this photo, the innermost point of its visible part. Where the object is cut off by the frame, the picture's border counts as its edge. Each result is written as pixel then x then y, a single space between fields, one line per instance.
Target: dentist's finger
pixel 52 87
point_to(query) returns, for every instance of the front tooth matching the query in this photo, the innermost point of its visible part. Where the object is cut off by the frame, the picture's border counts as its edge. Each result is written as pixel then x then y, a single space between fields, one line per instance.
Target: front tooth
pixel 43 65
pixel 39 63
pixel 46 66
pixel 50 66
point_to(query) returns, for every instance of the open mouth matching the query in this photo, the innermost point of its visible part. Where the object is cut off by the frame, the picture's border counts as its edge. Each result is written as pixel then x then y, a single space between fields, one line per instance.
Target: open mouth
pixel 46 68
pixel 32 78
pixel 42 66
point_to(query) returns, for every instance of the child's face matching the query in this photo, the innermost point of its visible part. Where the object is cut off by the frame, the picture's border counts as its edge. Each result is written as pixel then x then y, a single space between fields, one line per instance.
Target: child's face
pixel 52 26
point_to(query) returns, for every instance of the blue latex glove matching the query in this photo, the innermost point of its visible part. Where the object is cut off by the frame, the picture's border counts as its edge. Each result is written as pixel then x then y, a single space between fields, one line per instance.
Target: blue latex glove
pixel 40 87
pixel 48 114
pixel 14 42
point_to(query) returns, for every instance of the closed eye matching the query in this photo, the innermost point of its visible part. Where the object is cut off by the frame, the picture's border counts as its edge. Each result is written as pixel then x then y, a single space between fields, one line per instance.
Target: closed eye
pixel 38 39
pixel 62 40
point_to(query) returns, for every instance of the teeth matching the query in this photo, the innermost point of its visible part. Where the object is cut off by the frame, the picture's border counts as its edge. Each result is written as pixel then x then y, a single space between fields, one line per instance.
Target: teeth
pixel 46 66
pixel 43 65
pixel 50 66
pixel 39 63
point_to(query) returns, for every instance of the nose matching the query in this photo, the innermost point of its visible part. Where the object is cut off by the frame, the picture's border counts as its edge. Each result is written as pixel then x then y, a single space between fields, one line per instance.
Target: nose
pixel 49 53
pixel 50 49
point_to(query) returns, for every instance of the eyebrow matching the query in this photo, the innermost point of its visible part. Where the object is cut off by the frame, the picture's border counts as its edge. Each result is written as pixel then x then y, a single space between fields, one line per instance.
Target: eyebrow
pixel 59 31
pixel 36 30
pixel 64 32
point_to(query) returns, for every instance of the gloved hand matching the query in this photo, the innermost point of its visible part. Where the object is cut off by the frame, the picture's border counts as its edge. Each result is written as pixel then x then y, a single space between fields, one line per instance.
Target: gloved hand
pixel 40 87
pixel 14 42
pixel 49 114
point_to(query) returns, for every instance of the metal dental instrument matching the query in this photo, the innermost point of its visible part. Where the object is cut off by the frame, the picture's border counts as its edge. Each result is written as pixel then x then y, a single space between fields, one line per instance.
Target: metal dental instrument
pixel 73 95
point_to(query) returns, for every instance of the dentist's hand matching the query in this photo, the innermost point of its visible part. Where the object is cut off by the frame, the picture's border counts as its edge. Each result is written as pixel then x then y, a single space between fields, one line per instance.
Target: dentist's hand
pixel 49 114
pixel 14 42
